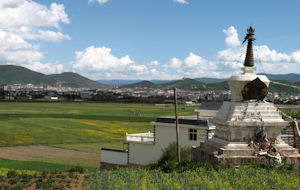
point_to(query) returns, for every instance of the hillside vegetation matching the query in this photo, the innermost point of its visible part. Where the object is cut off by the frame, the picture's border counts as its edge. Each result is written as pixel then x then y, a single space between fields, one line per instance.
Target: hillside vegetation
pixel 193 84
pixel 10 74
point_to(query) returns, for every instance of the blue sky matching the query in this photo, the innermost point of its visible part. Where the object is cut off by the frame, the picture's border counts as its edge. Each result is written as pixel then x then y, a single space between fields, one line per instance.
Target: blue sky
pixel 148 39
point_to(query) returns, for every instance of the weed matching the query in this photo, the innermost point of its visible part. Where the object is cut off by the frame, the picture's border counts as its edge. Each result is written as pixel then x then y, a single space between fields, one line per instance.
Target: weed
pixel 78 169
pixel 13 181
pixel 11 174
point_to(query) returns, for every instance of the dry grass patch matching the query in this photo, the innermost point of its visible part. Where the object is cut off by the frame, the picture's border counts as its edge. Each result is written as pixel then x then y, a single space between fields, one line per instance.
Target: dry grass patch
pixel 51 155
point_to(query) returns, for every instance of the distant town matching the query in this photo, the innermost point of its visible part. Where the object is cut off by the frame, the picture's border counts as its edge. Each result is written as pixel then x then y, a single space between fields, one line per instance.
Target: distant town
pixel 134 94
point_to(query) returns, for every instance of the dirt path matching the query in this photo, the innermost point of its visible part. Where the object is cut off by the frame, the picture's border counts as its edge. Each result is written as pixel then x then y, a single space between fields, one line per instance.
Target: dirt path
pixel 51 155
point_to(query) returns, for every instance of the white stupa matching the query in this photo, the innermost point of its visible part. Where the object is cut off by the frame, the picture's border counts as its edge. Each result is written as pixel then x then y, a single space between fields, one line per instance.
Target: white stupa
pixel 248 129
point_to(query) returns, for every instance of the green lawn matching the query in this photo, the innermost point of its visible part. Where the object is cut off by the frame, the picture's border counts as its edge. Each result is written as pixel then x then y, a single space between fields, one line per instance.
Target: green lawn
pixel 71 123
pixel 83 127
pixel 35 166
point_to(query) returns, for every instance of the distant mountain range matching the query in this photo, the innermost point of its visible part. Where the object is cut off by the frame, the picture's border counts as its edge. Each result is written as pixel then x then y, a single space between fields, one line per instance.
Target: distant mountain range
pixel 291 77
pixel 10 74
pixel 125 82
pixel 186 83
pixel 193 84
pixel 288 77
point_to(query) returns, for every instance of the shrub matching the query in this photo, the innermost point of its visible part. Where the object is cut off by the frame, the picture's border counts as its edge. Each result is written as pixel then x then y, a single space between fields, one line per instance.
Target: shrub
pixel 169 166
pixel 11 174
pixel 170 153
pixel 45 174
pixel 78 169
pixel 168 162
pixel 13 181
pixel 2 179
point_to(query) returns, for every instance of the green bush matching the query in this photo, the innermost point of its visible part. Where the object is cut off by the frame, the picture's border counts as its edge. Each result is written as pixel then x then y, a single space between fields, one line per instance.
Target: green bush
pixel 11 174
pixel 170 153
pixel 168 162
pixel 78 169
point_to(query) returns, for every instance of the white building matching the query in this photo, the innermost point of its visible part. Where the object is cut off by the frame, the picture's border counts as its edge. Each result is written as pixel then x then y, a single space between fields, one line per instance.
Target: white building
pixel 146 148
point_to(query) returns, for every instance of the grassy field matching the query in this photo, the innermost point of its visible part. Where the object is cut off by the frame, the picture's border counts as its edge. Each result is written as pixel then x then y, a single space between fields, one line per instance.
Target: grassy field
pixel 198 178
pixel 29 129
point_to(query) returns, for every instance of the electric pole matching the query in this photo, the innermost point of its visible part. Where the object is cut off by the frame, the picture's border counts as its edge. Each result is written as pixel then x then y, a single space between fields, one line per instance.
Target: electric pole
pixel 177 127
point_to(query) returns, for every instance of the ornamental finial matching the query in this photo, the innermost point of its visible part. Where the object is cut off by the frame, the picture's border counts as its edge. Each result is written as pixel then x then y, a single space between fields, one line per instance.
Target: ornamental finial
pixel 249 60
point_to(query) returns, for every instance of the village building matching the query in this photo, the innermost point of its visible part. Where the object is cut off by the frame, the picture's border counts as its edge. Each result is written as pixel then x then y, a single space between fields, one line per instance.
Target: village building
pixel 147 148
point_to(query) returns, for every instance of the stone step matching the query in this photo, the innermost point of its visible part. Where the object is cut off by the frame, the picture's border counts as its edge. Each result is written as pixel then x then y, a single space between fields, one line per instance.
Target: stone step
pixel 236 152
pixel 289 151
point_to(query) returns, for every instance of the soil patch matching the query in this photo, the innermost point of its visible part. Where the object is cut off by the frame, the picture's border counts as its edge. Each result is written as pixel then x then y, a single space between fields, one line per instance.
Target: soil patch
pixel 45 180
pixel 51 155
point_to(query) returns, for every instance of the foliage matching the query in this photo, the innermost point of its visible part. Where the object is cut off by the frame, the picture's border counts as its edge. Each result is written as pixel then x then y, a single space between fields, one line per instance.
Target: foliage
pixel 170 153
pixel 201 177
pixel 291 112
pixel 45 180
pixel 168 161
pixel 32 167
pixel 78 169
pixel 5 171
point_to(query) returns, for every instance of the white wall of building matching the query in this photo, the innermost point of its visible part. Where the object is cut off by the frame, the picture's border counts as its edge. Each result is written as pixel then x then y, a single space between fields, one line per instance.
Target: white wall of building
pixel 143 154
pixel 114 156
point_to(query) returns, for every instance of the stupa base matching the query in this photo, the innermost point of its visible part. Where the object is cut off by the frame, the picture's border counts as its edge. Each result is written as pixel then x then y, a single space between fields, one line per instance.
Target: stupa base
pixel 240 153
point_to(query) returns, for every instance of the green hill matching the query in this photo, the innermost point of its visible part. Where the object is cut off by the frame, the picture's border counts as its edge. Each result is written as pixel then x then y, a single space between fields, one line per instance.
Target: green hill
pixel 218 86
pixel 141 84
pixel 282 88
pixel 291 77
pixel 75 80
pixel 185 83
pixel 11 74
pixel 195 84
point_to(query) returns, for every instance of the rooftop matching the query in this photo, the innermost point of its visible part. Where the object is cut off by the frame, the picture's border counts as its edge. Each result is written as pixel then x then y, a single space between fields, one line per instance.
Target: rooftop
pixel 211 105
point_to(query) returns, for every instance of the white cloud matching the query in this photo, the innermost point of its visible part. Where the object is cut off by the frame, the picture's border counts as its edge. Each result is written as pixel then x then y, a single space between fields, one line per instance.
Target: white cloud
pixel 99 1
pixel 31 14
pixel 23 20
pixel 181 1
pixel 232 39
pixel 47 68
pixel 47 35
pixel 266 59
pixel 195 61
pixel 295 56
pixel 174 64
pixel 14 49
pixel 192 66
pixel 101 63
pixel 230 60
pixel 153 63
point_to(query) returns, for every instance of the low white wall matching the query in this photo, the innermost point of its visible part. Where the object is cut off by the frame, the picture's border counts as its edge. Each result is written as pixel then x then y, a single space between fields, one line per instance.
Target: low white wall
pixel 114 156
pixel 143 154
